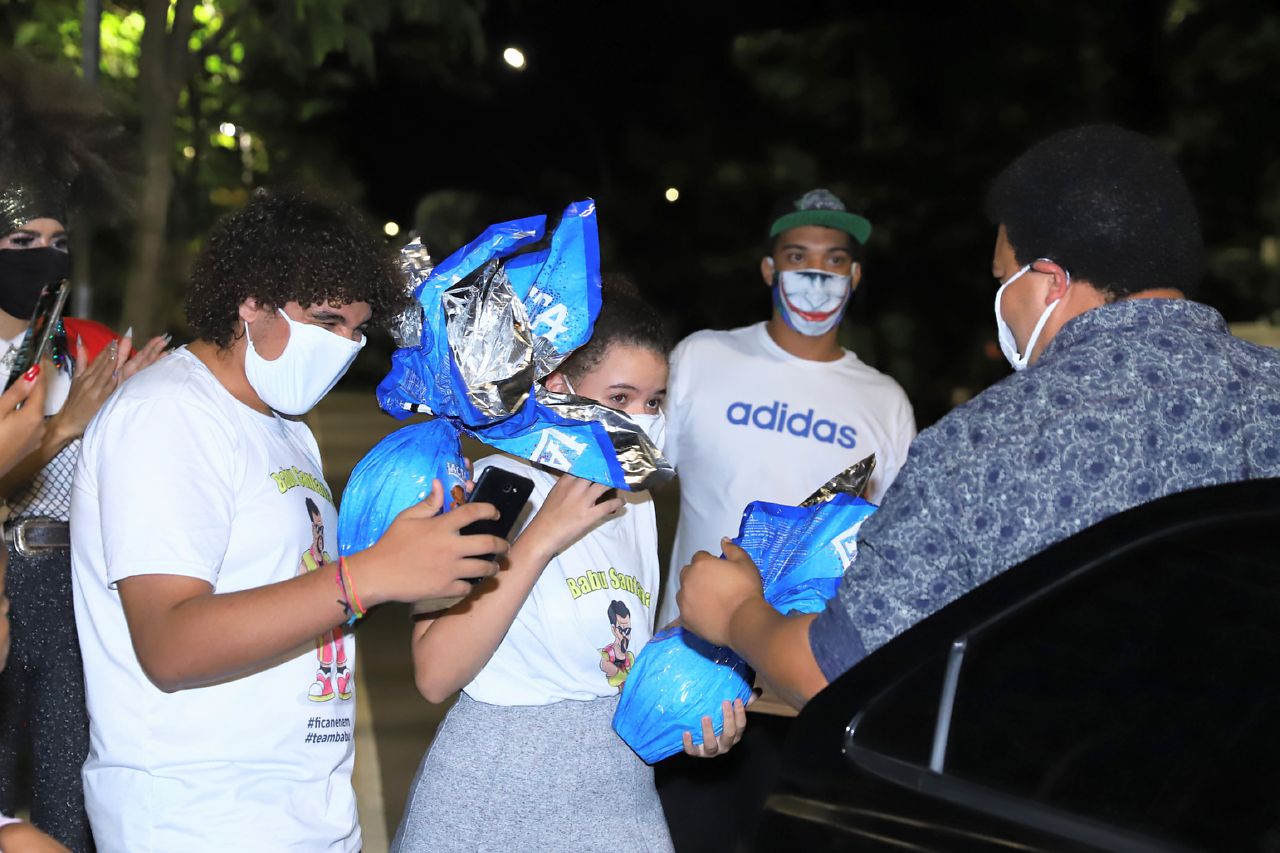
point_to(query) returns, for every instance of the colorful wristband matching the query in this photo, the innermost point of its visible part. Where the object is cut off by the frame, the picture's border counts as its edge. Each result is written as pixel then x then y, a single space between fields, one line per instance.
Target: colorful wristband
pixel 347 608
pixel 351 587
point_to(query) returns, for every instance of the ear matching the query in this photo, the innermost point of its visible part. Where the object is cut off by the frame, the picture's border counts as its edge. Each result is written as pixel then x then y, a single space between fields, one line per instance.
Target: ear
pixel 554 382
pixel 766 271
pixel 1061 278
pixel 856 274
pixel 250 310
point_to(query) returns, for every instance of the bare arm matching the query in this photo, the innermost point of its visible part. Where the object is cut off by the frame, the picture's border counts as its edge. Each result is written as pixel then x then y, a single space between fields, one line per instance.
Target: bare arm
pixel 451 649
pixel 25 838
pixel 778 648
pixel 22 429
pixel 92 385
pixel 186 636
pixel 721 601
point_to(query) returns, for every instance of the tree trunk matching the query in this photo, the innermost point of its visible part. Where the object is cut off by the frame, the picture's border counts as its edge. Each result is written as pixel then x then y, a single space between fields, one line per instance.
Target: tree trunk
pixel 161 72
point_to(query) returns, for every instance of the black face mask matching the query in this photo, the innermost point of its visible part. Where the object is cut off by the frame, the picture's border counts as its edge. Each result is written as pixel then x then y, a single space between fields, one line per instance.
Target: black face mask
pixel 23 272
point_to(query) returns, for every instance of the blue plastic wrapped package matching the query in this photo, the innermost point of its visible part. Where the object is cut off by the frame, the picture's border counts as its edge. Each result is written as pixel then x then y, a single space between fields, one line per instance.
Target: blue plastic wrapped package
pixel 499 314
pixel 678 678
pixel 395 475
pixel 513 291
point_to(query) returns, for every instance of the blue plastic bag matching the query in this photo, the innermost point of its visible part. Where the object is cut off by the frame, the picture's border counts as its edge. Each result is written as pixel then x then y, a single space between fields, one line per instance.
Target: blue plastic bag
pixel 557 283
pixel 395 475
pixel 678 678
pixel 500 313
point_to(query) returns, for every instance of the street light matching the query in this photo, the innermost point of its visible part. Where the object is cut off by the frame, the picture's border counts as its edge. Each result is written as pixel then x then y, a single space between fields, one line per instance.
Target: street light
pixel 227 129
pixel 513 57
pixel 672 194
pixel 391 229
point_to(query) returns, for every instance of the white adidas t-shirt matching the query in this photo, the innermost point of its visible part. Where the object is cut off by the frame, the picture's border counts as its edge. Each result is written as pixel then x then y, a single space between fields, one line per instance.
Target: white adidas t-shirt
pixel 177 477
pixel 748 421
pixel 570 640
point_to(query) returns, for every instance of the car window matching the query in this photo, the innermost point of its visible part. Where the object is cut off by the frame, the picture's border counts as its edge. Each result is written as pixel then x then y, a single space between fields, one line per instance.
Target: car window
pixel 1144 694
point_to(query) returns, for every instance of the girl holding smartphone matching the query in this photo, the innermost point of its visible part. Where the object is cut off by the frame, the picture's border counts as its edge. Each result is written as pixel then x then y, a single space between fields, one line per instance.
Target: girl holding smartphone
pixel 527 757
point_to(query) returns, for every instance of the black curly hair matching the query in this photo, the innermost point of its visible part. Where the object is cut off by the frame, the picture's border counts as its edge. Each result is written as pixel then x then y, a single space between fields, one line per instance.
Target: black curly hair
pixel 625 318
pixel 1107 204
pixel 61 146
pixel 288 246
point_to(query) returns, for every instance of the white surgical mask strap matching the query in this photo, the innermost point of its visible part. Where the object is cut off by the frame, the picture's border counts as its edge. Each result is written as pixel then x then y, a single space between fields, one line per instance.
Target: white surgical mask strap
pixel 1008 344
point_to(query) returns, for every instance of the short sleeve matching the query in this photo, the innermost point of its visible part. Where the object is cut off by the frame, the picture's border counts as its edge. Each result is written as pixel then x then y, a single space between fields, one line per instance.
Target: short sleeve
pixel 904 432
pixel 674 406
pixel 165 489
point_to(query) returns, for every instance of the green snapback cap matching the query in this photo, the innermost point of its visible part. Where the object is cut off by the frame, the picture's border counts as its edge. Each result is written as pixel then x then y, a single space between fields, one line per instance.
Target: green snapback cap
pixel 821 207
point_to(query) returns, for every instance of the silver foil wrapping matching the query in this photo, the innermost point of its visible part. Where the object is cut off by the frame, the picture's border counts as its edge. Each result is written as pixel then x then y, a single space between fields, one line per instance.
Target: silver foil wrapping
pixel 850 481
pixel 491 340
pixel 416 263
pixel 643 465
pixel 500 359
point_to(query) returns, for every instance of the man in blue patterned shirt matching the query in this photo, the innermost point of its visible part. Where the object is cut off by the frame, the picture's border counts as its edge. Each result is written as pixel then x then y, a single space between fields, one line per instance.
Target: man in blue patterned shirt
pixel 1130 392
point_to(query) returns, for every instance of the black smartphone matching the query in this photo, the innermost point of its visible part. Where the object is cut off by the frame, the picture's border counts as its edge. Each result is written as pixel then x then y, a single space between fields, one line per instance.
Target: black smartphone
pixel 44 322
pixel 509 493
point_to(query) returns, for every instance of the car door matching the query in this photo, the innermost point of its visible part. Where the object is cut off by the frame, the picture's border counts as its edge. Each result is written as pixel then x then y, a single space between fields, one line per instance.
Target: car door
pixel 1120 691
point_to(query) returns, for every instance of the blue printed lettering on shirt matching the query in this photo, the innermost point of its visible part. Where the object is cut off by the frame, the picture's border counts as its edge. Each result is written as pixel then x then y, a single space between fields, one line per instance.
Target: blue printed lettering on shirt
pixel 775 417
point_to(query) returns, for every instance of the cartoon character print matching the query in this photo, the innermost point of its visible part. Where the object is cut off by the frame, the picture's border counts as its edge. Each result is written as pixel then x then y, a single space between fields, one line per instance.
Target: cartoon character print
pixel 616 659
pixel 333 677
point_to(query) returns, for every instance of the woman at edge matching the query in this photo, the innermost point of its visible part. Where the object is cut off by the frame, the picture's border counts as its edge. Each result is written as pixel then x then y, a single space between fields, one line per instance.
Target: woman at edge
pixel 56 145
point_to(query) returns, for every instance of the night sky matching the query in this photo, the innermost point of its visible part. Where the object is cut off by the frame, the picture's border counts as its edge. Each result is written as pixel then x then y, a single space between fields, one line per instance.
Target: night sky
pixel 906 111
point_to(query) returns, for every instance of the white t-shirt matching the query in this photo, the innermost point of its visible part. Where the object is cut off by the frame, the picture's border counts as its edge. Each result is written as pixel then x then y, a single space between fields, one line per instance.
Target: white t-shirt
pixel 177 477
pixel 748 421
pixel 569 640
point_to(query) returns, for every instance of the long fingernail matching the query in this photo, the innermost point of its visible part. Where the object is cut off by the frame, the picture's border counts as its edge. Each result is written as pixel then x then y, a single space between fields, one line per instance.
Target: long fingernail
pixel 128 333
pixel 32 373
pixel 167 338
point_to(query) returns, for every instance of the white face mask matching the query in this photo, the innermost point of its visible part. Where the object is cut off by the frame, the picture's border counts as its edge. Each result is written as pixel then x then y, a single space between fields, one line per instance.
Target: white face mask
pixel 812 301
pixel 313 361
pixel 1008 345
pixel 654 426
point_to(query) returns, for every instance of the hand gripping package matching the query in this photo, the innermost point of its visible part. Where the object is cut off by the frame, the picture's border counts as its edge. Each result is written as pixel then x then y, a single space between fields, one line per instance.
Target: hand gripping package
pixel 490 320
pixel 802 552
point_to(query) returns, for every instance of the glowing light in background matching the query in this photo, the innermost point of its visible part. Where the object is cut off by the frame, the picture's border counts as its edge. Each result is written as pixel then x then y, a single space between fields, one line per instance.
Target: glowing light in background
pixel 513 57
pixel 391 229
pixel 672 194
pixel 227 129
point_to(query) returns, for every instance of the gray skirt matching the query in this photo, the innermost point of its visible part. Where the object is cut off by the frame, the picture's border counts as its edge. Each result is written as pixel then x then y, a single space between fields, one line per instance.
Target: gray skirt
pixel 532 777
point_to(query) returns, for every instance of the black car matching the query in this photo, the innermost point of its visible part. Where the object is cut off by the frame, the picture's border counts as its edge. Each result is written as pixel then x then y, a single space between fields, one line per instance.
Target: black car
pixel 1118 691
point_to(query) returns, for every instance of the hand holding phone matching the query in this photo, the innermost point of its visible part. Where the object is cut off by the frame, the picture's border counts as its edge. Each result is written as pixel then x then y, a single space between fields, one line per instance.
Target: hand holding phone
pixel 508 492
pixel 22 424
pixel 44 322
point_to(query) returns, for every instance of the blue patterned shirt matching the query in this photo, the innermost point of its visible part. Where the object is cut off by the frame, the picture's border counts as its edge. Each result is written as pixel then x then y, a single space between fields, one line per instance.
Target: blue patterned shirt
pixel 1129 402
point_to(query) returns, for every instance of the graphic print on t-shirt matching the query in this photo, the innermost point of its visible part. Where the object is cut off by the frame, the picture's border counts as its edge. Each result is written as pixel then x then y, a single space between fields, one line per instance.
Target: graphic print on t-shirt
pixel 333 676
pixel 801 423
pixel 616 658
